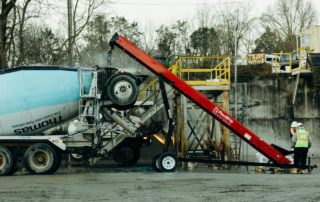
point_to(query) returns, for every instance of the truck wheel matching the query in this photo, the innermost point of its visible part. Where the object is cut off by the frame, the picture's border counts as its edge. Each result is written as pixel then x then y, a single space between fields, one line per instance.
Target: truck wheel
pixel 122 90
pixel 168 162
pixel 14 168
pixel 155 163
pixel 6 161
pixel 40 159
pixel 57 163
pixel 77 157
pixel 126 155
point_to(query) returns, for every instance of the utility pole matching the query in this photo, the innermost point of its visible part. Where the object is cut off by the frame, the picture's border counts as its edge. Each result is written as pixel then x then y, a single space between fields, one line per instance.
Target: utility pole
pixel 70 34
pixel 238 140
pixel 235 74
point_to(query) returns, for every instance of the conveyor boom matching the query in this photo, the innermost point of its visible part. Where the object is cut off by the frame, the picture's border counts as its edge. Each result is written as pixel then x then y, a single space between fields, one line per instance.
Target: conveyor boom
pixel 159 70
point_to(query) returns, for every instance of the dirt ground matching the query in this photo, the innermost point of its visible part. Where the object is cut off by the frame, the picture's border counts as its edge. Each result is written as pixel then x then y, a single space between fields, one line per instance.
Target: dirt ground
pixel 140 183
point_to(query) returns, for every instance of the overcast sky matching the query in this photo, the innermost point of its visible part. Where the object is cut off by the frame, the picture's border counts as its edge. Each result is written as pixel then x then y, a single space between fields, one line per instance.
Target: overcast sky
pixel 153 13
pixel 160 12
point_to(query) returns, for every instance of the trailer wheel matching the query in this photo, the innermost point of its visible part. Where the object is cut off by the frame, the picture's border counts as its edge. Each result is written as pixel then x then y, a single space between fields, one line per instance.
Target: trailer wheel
pixel 122 90
pixel 155 163
pixel 41 159
pixel 6 161
pixel 168 162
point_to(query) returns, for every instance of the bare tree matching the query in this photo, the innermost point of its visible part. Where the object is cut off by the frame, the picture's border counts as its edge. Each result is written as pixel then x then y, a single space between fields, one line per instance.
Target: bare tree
pixel 11 43
pixel 97 36
pixel 21 29
pixel 204 16
pixel 288 18
pixel 82 13
pixel 81 19
pixel 172 39
pixel 24 11
pixel 182 29
pixel 234 22
pixel 248 42
pixel 148 39
pixel 6 8
pixel 42 46
pixel 15 26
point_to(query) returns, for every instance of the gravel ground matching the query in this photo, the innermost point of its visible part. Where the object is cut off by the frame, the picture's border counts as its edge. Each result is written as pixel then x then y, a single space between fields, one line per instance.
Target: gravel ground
pixel 142 184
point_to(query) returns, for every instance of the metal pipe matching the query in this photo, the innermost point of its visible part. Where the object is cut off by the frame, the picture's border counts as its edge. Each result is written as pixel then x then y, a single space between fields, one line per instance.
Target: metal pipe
pixel 235 75
pixel 119 120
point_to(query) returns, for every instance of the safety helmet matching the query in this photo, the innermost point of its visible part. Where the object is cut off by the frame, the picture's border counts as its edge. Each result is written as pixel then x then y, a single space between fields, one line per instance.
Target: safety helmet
pixel 299 124
pixel 294 124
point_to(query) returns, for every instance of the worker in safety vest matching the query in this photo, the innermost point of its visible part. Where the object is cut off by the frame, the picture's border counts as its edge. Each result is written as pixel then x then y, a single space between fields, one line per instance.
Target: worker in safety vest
pixel 293 127
pixel 301 142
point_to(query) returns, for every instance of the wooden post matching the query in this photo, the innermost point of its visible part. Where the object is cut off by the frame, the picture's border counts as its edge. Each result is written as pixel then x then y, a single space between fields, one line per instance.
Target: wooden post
pixel 225 131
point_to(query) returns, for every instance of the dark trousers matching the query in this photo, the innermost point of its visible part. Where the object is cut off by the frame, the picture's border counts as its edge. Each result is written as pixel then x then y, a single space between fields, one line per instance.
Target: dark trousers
pixel 300 156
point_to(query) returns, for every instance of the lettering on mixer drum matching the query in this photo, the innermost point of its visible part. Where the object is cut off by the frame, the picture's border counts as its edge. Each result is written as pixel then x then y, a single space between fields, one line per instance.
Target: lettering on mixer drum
pixel 38 124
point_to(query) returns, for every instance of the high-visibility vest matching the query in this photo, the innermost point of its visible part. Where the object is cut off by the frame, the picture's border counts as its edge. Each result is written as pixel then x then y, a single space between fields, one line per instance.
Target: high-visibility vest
pixel 302 138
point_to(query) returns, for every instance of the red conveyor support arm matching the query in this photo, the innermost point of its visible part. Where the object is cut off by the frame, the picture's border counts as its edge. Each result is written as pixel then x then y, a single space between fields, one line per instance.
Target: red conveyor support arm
pixel 199 99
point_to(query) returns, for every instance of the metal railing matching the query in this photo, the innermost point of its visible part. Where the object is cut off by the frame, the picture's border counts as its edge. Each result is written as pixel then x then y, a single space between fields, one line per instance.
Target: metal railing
pixel 195 70
pixel 149 91
pixel 302 58
pixel 203 70
pixel 295 65
pixel 281 64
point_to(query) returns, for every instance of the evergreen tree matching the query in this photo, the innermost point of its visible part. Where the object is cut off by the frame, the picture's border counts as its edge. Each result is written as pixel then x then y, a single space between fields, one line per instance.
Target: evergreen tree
pixel 268 42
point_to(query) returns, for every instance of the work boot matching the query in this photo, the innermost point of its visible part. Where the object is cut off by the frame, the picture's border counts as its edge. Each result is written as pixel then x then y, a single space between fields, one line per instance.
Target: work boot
pixel 293 170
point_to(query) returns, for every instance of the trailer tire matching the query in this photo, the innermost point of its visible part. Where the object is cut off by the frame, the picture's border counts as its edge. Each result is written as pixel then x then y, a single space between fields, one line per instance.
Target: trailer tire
pixel 122 90
pixel 168 162
pixel 6 161
pixel 41 159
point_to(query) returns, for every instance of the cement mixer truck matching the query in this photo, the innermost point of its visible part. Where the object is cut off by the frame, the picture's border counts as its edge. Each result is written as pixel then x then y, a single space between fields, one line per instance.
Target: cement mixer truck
pixel 37 98
pixel 98 104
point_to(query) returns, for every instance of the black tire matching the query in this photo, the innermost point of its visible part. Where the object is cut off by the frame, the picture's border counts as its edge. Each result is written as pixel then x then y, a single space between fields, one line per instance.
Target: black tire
pixel 57 163
pixel 41 159
pixel 135 158
pixel 126 155
pixel 17 153
pixel 168 162
pixel 122 90
pixel 155 163
pixel 6 161
pixel 14 168
pixel 77 157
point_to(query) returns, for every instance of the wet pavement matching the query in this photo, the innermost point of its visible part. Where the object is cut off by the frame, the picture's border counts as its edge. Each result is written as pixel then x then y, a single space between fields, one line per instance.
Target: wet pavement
pixel 140 183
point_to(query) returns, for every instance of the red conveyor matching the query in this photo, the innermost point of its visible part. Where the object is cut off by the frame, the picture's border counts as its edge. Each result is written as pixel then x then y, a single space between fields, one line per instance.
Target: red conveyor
pixel 161 71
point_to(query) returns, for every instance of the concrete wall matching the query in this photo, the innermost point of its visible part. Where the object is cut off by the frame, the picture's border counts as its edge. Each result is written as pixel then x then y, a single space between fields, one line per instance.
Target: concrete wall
pixel 267 109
